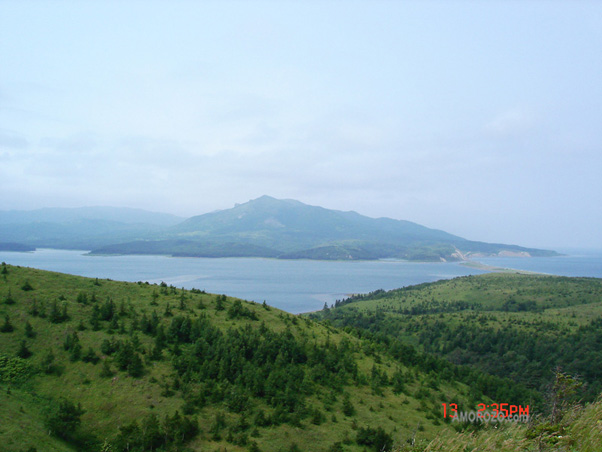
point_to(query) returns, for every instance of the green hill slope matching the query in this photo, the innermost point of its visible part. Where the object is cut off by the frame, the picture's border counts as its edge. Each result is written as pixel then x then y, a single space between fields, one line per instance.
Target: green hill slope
pixel 579 430
pixel 95 365
pixel 86 363
pixel 513 326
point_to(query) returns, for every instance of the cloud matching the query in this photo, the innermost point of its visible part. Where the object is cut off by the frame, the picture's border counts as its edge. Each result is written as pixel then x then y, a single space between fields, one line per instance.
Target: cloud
pixel 72 144
pixel 511 123
pixel 435 116
pixel 11 140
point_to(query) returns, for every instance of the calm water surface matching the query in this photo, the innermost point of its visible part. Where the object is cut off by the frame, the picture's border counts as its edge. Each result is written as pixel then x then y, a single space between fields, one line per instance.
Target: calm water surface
pixel 293 285
pixel 578 263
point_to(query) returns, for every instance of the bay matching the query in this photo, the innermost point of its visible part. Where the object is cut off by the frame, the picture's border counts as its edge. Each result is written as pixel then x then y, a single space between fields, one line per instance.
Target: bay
pixel 292 285
pixel 575 263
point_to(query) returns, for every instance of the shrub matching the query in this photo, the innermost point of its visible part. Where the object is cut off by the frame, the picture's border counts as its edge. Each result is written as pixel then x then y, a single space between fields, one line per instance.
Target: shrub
pixel 377 439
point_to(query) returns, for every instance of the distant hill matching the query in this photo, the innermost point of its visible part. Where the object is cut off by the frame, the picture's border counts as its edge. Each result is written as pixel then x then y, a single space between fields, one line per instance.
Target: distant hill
pixel 4 246
pixel 263 227
pixel 80 228
pixel 68 215
pixel 289 229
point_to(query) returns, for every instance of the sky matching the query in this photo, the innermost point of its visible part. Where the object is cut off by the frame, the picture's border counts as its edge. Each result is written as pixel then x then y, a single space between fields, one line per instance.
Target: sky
pixel 481 118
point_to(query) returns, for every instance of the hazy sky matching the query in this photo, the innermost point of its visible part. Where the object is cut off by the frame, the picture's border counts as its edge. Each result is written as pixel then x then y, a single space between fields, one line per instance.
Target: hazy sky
pixel 481 118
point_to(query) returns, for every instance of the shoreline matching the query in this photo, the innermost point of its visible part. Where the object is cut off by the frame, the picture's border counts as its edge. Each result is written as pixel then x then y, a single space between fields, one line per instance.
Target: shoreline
pixel 491 268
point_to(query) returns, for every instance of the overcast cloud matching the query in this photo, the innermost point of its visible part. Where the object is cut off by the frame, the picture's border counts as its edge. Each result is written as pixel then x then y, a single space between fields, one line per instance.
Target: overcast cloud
pixel 479 118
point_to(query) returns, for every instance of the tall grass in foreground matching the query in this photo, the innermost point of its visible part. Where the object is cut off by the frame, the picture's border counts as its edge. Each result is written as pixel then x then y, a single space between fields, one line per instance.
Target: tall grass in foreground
pixel 579 431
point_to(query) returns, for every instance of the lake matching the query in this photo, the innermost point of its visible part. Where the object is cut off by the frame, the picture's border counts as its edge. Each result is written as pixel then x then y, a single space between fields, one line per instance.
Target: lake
pixel 292 285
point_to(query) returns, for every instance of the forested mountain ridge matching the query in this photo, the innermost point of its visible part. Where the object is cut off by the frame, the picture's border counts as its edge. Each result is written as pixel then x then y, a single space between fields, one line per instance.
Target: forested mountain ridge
pixel 263 227
pixel 126 366
pixel 289 229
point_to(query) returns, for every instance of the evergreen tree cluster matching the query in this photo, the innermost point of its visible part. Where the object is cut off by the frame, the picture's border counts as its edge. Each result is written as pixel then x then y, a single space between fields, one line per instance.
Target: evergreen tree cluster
pixel 507 352
pixel 153 435
pixel 368 327
pixel 256 362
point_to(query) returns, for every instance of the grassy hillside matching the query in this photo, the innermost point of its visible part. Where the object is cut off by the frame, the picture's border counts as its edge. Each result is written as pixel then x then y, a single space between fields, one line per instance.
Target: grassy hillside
pixel 93 365
pixel 515 326
pixel 87 363
pixel 580 429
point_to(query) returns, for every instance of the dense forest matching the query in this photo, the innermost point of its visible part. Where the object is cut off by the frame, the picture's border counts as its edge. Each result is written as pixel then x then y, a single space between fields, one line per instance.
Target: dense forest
pixel 520 327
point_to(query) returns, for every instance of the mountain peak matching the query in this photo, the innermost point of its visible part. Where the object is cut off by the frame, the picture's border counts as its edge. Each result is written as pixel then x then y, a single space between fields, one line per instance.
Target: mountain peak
pixel 290 229
pixel 266 199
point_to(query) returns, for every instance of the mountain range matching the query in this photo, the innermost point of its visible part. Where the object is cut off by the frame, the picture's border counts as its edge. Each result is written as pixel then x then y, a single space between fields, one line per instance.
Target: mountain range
pixel 263 227
pixel 78 228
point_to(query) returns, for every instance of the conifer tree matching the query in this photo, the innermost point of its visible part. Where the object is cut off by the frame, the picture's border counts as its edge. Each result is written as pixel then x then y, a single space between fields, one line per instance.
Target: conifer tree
pixel 114 325
pixel 90 356
pixel 348 408
pixel 9 298
pixel 23 351
pixel 64 419
pixel 135 367
pixel 34 308
pixel 64 313
pixel 95 319
pixel 54 315
pixel 106 371
pixel 47 363
pixel 29 332
pixel 26 287
pixel 76 352
pixel 7 327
